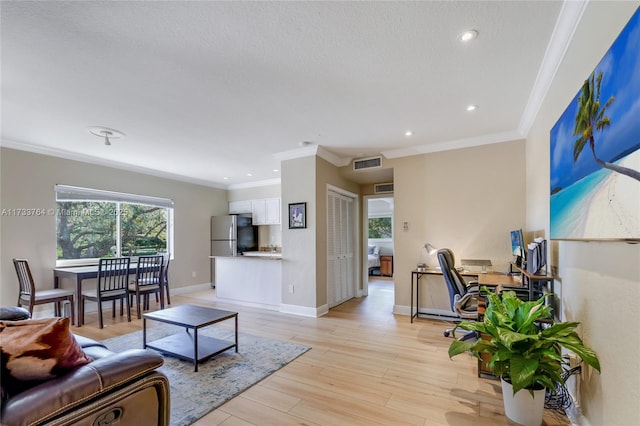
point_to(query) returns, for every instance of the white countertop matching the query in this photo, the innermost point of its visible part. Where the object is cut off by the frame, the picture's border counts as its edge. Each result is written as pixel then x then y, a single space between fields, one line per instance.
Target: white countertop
pixel 269 254
pixel 259 254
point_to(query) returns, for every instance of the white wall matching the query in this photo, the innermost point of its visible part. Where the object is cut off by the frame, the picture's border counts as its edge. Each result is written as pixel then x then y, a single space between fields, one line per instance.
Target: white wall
pixel 466 200
pixel 27 181
pixel 299 245
pixel 598 282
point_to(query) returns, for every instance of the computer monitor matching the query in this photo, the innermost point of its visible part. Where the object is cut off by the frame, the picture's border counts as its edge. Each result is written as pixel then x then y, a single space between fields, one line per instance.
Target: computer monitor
pixel 517 247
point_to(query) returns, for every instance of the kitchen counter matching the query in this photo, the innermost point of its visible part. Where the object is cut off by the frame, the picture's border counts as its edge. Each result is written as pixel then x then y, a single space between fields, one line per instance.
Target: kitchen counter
pixel 263 254
pixel 250 280
pixel 269 255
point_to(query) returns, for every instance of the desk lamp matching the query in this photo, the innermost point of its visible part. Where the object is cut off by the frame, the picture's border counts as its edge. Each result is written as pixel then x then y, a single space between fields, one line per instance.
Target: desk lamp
pixel 431 250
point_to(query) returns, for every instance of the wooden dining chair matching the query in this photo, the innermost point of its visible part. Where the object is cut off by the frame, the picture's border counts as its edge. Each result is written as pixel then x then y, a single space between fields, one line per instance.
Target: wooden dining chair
pixel 165 276
pixel 29 296
pixel 112 284
pixel 149 280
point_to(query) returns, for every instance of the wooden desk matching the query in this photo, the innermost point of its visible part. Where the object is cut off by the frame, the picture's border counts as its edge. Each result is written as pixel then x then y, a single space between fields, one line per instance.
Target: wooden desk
pixel 495 279
pixel 536 283
pixel 499 280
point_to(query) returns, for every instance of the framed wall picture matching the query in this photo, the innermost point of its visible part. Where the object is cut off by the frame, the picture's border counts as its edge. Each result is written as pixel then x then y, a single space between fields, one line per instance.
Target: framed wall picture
pixel 595 150
pixel 297 215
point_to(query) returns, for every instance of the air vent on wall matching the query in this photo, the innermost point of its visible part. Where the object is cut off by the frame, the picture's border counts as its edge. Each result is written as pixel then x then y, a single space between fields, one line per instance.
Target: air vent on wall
pixel 383 188
pixel 367 163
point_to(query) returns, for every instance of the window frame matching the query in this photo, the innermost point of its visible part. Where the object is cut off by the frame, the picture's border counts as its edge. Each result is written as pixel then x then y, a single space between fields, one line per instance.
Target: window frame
pixel 79 194
pixel 378 216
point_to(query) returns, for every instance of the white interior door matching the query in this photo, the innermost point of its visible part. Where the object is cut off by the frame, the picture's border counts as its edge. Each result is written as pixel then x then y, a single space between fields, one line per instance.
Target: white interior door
pixel 340 248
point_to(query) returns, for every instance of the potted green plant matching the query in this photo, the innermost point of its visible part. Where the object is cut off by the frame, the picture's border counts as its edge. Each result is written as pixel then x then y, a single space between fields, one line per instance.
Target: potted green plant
pixel 525 354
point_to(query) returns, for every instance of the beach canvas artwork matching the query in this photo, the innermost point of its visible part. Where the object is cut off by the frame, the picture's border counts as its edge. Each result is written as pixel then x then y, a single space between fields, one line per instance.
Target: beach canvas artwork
pixel 595 150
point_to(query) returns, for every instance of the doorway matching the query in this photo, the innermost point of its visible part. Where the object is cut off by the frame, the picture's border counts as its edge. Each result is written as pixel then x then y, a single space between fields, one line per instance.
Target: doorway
pixel 378 242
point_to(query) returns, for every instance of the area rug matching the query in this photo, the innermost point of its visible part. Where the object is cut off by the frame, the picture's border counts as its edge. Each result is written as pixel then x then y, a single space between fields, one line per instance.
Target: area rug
pixel 219 379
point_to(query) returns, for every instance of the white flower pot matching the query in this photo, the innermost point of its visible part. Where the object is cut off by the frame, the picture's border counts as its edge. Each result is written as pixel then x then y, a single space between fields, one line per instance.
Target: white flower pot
pixel 523 408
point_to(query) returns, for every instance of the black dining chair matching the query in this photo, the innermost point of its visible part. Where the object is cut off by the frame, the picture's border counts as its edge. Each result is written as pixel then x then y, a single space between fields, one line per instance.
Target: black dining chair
pixel 149 279
pixel 112 284
pixel 165 275
pixel 29 296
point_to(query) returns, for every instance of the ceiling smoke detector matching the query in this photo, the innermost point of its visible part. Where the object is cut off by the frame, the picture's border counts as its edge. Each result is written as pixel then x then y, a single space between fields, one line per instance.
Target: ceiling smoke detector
pixel 106 133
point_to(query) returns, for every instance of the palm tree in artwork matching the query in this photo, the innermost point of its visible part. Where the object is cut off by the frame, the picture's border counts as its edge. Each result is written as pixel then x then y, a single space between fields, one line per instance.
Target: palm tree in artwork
pixel 591 116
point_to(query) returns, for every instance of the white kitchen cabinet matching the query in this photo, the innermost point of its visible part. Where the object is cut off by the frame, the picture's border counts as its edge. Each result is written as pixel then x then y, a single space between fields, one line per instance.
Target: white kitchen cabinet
pixel 273 211
pixel 239 207
pixel 266 211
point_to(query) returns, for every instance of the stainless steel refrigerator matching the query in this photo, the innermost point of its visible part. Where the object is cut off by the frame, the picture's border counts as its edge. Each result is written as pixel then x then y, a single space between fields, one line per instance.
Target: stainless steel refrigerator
pixel 232 235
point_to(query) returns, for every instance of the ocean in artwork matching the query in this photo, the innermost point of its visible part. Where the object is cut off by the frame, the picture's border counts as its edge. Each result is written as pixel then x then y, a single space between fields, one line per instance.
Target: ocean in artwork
pixel 603 202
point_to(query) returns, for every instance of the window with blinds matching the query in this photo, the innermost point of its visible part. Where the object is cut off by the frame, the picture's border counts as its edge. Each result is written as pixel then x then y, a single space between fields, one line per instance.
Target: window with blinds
pixel 91 224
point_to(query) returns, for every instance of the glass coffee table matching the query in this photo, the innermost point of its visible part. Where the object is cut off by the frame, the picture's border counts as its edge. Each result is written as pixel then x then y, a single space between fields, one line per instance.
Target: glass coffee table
pixel 190 346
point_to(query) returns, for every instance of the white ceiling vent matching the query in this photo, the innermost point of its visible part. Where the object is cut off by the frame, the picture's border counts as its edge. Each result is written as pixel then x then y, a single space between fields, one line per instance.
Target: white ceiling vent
pixel 383 188
pixel 367 163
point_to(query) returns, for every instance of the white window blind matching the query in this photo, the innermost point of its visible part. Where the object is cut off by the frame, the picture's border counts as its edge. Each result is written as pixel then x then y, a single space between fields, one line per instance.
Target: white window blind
pixel 76 193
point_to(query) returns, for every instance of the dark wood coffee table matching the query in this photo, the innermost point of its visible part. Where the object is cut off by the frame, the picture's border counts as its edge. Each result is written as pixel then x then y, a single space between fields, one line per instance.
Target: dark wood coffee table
pixel 185 345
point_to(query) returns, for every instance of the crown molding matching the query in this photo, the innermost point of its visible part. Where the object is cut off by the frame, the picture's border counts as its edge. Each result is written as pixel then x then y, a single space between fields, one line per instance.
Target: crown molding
pixel 306 151
pixel 455 144
pixel 313 150
pixel 333 158
pixel 67 155
pixel 566 25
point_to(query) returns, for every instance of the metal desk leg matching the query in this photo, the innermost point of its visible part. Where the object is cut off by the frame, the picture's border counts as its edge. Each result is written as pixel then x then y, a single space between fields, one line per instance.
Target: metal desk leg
pixel 418 276
pixel 411 302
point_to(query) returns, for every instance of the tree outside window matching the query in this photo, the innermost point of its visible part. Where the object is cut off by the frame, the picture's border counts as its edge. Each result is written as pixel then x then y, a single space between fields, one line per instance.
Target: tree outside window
pixel 95 229
pixel 380 227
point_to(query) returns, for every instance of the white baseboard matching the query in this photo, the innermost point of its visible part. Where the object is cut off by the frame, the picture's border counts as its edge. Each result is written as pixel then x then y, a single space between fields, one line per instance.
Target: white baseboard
pixel 250 304
pixel 401 310
pixel 441 314
pixel 304 310
pixel 189 289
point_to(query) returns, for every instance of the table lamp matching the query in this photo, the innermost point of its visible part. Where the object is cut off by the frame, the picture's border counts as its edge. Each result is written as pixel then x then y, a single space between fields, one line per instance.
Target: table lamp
pixel 430 250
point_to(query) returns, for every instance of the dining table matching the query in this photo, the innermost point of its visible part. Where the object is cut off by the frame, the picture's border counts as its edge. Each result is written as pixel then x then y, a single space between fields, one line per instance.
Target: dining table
pixel 78 274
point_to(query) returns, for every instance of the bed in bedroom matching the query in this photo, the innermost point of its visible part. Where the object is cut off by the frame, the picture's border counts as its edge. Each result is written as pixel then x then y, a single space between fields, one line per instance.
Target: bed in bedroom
pixel 373 261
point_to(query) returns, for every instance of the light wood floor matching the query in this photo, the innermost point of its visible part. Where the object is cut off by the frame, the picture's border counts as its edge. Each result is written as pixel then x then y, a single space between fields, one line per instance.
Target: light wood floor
pixel 366 367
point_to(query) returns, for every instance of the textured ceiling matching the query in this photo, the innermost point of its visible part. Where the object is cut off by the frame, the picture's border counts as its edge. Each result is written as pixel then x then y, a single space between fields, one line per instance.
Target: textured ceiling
pixel 207 90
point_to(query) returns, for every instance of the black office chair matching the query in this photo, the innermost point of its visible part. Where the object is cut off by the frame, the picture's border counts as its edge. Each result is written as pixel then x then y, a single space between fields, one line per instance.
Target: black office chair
pixel 463 297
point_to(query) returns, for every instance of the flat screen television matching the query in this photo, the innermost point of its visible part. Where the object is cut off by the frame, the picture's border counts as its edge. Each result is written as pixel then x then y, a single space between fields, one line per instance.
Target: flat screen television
pixel 517 247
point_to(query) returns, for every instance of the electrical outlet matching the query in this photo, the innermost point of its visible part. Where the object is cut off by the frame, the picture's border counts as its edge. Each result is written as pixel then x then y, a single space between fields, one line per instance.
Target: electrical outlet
pixel 291 288
pixel 193 274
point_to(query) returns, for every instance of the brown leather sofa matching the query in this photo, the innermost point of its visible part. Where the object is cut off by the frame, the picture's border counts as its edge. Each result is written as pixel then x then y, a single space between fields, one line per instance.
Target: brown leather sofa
pixel 115 388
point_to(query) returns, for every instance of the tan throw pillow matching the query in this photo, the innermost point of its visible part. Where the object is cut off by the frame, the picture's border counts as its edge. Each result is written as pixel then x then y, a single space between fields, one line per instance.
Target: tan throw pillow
pixel 37 350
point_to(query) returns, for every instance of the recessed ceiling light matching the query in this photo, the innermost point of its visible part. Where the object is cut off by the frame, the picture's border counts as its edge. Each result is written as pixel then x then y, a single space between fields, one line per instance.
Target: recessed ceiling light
pixel 276 170
pixel 408 133
pixel 249 174
pixel 225 178
pixel 472 107
pixel 468 36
